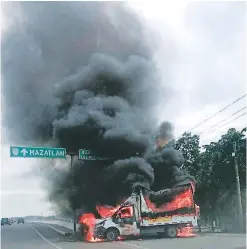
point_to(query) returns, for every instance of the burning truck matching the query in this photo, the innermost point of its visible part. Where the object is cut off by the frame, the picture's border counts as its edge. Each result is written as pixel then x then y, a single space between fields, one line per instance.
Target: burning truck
pixel 138 216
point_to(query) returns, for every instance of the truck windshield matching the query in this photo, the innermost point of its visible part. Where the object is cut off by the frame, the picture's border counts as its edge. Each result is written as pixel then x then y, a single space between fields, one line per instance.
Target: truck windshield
pixel 125 212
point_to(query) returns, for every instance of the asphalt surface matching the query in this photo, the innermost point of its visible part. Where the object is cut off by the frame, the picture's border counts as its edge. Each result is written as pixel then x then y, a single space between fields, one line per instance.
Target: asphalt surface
pixel 39 236
pixel 206 241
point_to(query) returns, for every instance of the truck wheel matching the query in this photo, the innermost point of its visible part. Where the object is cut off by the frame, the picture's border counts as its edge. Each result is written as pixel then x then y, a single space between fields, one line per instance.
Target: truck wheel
pixel 112 234
pixel 171 232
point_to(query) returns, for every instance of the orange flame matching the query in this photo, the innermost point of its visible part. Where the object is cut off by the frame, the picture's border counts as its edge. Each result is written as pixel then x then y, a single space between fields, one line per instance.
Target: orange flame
pixel 88 221
pixel 184 199
pixel 186 232
pixel 106 211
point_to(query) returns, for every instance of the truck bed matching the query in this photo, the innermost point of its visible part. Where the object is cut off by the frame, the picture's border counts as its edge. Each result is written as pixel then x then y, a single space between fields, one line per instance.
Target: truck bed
pixel 180 198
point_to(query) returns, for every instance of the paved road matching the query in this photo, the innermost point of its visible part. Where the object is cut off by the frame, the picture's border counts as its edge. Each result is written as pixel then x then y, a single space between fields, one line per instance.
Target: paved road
pixel 27 237
pixel 210 241
pixel 39 236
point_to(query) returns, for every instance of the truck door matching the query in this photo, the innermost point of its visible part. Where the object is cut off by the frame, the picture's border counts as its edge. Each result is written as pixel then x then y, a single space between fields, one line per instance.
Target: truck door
pixel 126 221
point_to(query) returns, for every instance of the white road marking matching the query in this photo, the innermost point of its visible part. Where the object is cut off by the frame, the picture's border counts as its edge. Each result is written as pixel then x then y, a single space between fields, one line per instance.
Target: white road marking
pixel 133 245
pixel 43 238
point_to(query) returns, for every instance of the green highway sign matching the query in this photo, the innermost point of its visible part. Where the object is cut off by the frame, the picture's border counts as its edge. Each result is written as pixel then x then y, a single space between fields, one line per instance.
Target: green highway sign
pixel 87 155
pixel 37 152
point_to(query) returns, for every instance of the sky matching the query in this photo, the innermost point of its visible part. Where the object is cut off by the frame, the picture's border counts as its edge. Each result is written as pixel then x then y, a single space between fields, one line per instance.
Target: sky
pixel 208 62
pixel 202 47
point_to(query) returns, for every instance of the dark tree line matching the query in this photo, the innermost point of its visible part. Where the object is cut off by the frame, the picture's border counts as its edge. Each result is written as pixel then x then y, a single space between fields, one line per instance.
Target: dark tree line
pixel 213 167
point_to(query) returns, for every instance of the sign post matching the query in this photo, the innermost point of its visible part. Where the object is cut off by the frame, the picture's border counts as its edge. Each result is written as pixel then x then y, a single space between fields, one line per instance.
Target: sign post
pixel 37 152
pixel 74 210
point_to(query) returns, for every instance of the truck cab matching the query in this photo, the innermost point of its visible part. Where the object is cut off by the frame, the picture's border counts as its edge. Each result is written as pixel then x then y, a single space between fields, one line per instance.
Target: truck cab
pixel 122 223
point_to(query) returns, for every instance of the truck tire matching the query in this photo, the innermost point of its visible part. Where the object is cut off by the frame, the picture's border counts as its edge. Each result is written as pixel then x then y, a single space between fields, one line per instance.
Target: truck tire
pixel 111 234
pixel 171 232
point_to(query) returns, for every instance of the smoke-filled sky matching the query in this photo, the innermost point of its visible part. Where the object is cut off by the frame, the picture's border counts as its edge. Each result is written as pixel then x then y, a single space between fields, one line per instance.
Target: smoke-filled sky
pixel 195 55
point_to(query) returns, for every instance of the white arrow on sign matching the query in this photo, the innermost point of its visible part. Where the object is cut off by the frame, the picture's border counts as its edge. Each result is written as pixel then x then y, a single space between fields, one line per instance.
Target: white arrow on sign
pixel 24 152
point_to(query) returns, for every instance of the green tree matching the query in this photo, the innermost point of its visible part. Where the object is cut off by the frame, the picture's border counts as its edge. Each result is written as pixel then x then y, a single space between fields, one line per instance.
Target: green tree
pixel 225 171
pixel 213 167
pixel 208 185
pixel 189 146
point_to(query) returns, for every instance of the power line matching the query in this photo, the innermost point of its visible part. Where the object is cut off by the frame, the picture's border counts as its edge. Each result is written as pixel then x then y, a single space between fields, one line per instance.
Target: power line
pixel 216 113
pixel 229 122
pixel 232 120
pixel 223 120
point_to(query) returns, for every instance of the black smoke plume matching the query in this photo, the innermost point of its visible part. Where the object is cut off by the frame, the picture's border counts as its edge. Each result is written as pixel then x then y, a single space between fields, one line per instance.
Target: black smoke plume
pixel 167 162
pixel 81 75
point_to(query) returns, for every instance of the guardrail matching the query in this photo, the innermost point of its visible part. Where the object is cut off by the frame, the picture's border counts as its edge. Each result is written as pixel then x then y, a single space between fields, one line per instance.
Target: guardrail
pixel 68 223
pixel 65 220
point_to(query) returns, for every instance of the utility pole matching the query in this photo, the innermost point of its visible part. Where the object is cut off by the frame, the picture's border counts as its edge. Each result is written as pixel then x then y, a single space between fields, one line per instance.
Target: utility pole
pixel 74 211
pixel 240 210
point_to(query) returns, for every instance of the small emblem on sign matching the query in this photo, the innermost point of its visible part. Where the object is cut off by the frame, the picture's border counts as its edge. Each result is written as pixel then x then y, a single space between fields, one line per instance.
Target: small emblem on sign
pixel 15 151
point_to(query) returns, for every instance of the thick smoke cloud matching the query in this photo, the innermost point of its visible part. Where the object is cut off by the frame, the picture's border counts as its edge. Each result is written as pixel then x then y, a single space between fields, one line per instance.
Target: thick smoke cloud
pixel 80 75
pixel 105 110
pixel 48 42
